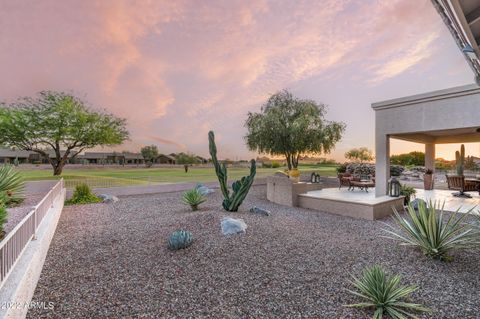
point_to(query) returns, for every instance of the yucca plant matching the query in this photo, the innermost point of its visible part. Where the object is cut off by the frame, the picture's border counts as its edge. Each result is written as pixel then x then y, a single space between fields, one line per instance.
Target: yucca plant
pixel 193 198
pixel 11 183
pixel 384 294
pixel 433 234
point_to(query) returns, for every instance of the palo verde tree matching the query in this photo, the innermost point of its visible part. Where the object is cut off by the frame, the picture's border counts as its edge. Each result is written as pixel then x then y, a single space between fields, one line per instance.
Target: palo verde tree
pixel 149 153
pixel 58 123
pixel 291 127
pixel 361 154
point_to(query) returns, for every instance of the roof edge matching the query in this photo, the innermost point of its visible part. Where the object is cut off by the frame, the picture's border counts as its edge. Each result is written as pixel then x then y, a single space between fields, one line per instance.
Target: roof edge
pixel 429 96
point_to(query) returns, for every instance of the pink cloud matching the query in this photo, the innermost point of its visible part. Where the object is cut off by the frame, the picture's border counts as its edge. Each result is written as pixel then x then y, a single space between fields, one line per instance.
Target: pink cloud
pixel 177 69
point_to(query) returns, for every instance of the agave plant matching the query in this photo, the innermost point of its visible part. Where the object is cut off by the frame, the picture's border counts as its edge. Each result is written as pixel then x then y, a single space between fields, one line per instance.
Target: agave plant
pixel 428 230
pixel 384 294
pixel 193 198
pixel 11 183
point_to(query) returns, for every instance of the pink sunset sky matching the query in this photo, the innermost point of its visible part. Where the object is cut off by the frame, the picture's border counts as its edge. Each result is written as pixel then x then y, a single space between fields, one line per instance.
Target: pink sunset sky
pixel 177 69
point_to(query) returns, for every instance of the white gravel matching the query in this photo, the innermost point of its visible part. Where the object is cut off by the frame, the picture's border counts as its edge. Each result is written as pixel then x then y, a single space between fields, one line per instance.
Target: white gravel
pixel 112 261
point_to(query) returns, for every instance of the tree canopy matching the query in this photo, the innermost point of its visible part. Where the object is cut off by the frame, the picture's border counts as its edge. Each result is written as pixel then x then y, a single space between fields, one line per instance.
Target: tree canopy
pixel 361 154
pixel 149 153
pixel 186 158
pixel 292 127
pixel 60 123
pixel 409 159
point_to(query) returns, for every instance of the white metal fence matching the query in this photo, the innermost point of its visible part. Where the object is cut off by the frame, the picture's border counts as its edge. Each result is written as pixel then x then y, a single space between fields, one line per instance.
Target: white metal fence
pixel 13 245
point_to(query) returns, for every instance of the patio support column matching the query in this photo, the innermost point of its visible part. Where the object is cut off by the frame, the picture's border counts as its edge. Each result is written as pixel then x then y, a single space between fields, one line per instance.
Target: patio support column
pixel 382 163
pixel 430 156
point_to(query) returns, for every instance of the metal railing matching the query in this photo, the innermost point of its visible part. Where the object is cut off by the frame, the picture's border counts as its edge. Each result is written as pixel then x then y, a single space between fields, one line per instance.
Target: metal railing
pixel 14 244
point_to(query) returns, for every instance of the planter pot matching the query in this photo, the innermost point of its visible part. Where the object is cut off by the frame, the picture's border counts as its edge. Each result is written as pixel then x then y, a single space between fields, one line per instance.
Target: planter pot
pixel 428 181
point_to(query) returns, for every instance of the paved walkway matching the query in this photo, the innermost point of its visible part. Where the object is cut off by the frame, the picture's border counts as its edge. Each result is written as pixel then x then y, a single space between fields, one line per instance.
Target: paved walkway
pixel 161 188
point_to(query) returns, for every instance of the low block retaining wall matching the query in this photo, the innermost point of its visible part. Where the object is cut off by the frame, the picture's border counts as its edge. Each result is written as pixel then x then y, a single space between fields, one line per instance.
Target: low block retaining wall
pixel 283 191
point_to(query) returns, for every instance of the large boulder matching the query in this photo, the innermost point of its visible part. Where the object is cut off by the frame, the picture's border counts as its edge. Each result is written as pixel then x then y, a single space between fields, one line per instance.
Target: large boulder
pixel 108 199
pixel 231 226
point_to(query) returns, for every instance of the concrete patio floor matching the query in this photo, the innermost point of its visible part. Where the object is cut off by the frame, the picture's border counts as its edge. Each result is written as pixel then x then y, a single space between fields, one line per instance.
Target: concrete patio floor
pixel 361 197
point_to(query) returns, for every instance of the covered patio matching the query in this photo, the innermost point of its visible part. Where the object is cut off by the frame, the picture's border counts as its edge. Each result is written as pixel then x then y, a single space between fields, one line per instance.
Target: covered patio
pixel 440 117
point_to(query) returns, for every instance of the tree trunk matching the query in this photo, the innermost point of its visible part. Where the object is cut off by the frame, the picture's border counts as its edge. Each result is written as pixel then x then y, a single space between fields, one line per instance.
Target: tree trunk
pixel 57 169
pixel 289 161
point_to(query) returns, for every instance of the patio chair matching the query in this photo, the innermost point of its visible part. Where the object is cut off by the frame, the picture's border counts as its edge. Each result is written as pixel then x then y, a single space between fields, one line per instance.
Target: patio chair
pixel 344 179
pixel 458 183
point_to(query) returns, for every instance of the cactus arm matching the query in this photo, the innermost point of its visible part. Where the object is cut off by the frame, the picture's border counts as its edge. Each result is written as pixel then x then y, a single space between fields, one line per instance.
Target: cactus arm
pixel 220 170
pixel 240 188
pixel 460 160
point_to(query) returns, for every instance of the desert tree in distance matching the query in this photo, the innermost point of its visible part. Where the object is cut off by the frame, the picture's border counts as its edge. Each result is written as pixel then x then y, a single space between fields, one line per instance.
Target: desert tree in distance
pixel 149 153
pixel 361 154
pixel 292 127
pixel 58 122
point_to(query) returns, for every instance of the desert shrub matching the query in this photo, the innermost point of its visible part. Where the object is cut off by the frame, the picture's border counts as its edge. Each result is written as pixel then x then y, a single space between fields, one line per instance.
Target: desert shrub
pixel 275 164
pixel 433 234
pixel 368 169
pixel 396 170
pixel 342 168
pixel 384 294
pixel 82 195
pixel 12 184
pixel 266 165
pixel 193 198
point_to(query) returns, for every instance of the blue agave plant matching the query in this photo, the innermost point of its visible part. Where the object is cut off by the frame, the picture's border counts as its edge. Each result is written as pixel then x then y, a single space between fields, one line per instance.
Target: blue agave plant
pixel 180 239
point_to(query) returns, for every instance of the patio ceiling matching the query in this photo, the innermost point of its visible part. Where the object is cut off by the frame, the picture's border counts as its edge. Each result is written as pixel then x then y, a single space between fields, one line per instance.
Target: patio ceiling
pixel 461 135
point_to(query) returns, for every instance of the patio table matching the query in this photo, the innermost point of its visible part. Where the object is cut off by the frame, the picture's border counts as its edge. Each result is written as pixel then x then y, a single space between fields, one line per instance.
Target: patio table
pixel 363 185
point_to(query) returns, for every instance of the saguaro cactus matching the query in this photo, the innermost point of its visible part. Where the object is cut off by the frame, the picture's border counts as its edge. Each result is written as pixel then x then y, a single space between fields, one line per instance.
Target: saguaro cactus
pixel 460 160
pixel 240 188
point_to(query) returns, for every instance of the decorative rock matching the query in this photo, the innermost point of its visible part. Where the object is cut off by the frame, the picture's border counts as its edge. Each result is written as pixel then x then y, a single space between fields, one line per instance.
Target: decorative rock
pixel 261 211
pixel 204 190
pixel 108 199
pixel 231 226
pixel 416 203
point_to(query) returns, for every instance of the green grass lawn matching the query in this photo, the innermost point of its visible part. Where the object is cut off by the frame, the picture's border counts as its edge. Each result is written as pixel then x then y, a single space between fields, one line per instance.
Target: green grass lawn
pixel 111 177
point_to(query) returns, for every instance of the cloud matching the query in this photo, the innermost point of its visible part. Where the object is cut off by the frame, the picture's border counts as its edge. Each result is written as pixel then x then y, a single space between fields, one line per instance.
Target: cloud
pixel 177 69
pixel 402 62
pixel 167 142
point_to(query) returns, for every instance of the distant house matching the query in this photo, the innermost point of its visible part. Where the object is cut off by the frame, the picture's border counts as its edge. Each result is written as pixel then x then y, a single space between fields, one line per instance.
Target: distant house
pixel 133 158
pixel 202 159
pixel 9 156
pixel 165 159
pixel 112 158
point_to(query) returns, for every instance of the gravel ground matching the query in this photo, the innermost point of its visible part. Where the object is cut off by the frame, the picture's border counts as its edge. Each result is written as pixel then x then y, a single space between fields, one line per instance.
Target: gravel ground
pixel 111 261
pixel 17 213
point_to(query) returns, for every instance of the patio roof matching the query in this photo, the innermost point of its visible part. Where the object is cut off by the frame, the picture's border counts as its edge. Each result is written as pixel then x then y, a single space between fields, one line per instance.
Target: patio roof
pixel 444 116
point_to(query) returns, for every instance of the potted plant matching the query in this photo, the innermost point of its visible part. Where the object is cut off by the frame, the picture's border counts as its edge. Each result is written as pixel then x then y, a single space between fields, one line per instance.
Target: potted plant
pixel 428 179
pixel 294 175
pixel 408 192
